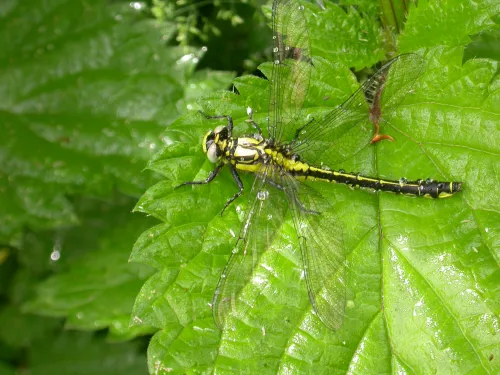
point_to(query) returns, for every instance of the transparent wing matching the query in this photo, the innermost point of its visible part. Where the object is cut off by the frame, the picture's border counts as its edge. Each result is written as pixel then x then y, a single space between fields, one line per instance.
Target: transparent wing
pixel 292 65
pixel 321 242
pixel 337 136
pixel 262 222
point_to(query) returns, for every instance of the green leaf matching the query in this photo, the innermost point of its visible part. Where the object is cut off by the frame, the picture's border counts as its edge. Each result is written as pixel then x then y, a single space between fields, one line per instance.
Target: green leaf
pixel 357 40
pixel 423 291
pixel 19 330
pixel 83 353
pixel 96 289
pixel 447 23
pixel 86 87
pixel 40 346
pixel 484 45
pixel 5 369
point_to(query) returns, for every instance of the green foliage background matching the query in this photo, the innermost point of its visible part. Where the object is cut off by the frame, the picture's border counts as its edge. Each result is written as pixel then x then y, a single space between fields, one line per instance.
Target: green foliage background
pixel 92 89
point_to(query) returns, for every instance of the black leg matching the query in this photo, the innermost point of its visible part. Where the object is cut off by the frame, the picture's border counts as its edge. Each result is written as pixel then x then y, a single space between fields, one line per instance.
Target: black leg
pixel 256 126
pixel 276 185
pixel 229 121
pixel 240 185
pixel 209 179
pixel 251 121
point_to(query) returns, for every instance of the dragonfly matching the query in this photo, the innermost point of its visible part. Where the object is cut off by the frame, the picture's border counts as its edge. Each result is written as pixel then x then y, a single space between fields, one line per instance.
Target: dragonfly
pixel 289 160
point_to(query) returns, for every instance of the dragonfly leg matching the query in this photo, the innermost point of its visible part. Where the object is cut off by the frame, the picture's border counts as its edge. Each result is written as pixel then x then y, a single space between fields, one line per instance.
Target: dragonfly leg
pixel 240 185
pixel 229 121
pixel 251 121
pixel 276 185
pixel 378 137
pixel 209 179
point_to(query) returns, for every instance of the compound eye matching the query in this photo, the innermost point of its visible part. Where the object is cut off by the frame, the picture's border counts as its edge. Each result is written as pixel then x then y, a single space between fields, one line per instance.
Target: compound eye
pixel 212 153
pixel 218 129
pixel 208 140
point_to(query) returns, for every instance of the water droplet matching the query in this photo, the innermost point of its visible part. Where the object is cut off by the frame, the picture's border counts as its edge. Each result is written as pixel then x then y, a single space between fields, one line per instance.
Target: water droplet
pixel 137 320
pixel 342 171
pixel 55 255
pixel 204 49
pixel 429 181
pixel 263 195
pixel 136 5
pixel 274 37
pixel 275 49
pixel 301 7
pixel 403 181
pixel 276 62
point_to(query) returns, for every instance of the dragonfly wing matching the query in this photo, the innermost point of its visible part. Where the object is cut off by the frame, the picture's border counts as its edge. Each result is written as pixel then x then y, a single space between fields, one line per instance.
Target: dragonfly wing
pixel 291 71
pixel 263 219
pixel 321 241
pixel 336 136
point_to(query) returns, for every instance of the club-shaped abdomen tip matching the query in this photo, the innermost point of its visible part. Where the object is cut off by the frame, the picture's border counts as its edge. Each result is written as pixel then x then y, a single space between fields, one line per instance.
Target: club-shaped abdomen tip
pixel 457 186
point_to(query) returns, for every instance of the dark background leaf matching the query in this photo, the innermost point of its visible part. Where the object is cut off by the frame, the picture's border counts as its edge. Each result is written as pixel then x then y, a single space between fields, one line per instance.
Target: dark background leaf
pixel 87 89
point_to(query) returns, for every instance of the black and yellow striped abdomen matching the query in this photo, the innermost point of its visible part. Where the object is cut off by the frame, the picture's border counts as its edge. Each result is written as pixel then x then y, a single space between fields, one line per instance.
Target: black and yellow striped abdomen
pixel 420 188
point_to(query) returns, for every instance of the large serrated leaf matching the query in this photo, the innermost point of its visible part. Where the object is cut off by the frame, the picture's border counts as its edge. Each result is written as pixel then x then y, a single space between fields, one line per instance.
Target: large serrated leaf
pixel 423 291
pixel 447 23
pixel 86 88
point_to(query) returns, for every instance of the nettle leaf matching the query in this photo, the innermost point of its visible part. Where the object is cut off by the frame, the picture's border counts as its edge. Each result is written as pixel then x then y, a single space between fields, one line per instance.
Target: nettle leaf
pixel 86 87
pixel 96 288
pixel 344 34
pixel 85 353
pixel 447 23
pixel 423 291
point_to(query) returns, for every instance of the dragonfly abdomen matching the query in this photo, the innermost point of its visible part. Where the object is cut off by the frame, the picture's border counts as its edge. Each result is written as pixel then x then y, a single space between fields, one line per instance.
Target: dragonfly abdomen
pixel 420 188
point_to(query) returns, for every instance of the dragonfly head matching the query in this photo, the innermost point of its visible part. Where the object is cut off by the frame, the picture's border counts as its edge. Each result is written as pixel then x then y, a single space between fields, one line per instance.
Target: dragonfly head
pixel 215 142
